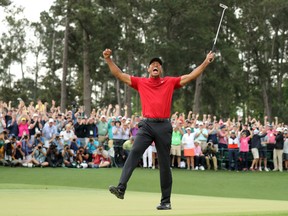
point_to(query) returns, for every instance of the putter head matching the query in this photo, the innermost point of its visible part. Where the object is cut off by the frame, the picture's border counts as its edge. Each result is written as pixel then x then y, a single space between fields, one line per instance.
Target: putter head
pixel 223 6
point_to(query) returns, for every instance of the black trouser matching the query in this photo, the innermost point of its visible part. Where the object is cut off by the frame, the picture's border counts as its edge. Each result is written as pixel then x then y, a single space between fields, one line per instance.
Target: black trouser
pixel 119 154
pixel 54 161
pixel 161 134
pixel 199 160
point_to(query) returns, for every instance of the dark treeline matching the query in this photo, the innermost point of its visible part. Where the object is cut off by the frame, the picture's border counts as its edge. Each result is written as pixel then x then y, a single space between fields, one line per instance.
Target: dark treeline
pixel 249 72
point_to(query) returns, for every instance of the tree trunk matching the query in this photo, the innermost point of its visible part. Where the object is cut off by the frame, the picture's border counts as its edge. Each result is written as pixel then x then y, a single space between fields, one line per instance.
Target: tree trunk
pixel 267 108
pixel 36 77
pixel 86 75
pixel 128 89
pixel 118 93
pixel 197 94
pixel 65 64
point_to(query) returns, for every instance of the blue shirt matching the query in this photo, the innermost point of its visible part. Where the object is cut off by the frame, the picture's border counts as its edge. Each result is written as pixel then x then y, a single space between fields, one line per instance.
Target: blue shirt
pixel 48 131
pixel 92 147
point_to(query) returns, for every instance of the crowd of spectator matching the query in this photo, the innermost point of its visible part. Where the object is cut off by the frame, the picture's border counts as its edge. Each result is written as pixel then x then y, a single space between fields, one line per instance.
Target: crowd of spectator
pixel 38 136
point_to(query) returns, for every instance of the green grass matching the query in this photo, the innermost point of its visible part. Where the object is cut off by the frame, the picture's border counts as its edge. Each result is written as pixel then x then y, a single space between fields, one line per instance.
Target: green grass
pixel 254 185
pixel 62 191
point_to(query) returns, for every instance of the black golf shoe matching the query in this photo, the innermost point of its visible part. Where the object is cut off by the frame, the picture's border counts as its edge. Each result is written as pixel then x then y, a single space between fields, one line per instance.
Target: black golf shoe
pixel 117 192
pixel 164 206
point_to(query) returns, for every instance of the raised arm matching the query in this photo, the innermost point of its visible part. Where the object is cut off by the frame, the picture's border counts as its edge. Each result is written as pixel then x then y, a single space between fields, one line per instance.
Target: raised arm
pixel 197 71
pixel 115 70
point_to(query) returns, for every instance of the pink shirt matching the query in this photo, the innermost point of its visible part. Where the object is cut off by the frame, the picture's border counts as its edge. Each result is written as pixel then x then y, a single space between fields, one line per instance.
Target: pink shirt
pixel 222 137
pixel 244 145
pixel 271 136
pixel 198 150
pixel 23 128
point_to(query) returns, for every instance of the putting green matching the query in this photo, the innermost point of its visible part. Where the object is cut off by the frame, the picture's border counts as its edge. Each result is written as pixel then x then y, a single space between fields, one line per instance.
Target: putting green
pixel 31 200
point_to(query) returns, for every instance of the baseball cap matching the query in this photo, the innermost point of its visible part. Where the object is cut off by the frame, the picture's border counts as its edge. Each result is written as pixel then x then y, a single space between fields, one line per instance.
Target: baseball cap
pixel 156 59
pixel 23 119
pixel 255 131
pixel 51 120
pixel 35 115
pixel 279 129
pixel 103 116
pixel 188 128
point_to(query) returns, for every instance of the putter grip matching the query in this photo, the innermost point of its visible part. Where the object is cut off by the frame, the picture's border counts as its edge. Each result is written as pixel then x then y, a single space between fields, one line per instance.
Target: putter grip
pixel 213 48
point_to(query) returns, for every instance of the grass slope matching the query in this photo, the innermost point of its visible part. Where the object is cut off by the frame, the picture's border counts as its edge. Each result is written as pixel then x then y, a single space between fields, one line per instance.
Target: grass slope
pixel 47 191
pixel 271 186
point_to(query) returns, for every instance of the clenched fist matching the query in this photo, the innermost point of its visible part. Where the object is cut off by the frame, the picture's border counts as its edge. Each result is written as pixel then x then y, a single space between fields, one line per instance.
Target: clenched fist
pixel 107 53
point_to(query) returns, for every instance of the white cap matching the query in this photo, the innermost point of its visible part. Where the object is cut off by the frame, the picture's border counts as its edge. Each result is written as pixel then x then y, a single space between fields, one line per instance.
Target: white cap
pixel 35 115
pixel 103 116
pixel 51 120
pixel 279 129
pixel 255 131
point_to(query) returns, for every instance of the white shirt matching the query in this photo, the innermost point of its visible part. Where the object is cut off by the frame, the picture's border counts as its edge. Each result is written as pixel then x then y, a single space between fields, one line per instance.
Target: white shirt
pixel 67 135
pixel 117 132
pixel 188 140
pixel 234 141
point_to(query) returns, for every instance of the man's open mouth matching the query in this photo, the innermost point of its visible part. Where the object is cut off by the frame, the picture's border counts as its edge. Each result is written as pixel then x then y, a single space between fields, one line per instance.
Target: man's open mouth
pixel 155 69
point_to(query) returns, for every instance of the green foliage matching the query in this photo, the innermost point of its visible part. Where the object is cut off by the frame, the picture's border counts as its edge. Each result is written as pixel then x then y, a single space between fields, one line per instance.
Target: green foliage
pixel 250 69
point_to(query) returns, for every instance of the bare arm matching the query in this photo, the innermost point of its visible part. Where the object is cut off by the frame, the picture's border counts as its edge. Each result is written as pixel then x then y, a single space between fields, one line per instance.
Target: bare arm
pixel 197 71
pixel 115 70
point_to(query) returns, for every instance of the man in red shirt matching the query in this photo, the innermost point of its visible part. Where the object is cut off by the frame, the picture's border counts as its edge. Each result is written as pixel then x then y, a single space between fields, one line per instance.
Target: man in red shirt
pixel 156 99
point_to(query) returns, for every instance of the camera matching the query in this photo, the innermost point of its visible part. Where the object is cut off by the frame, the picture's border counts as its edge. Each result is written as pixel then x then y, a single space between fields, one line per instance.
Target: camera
pixel 91 140
pixel 8 148
pixel 74 140
pixel 25 137
pixel 39 147
pixel 53 145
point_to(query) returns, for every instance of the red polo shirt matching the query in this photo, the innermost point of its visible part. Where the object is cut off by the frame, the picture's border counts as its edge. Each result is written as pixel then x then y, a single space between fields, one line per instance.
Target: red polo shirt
pixel 156 95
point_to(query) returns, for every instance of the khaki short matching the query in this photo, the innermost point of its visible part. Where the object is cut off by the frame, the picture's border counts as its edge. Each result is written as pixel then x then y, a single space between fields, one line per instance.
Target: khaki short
pixel 255 153
pixel 102 139
pixel 110 143
pixel 176 150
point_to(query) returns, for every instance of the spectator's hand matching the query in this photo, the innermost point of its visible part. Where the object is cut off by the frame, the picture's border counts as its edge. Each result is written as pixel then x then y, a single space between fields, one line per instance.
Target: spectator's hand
pixel 107 53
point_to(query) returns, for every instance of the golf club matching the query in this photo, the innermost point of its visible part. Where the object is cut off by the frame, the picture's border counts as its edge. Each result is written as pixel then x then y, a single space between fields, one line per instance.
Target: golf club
pixel 215 40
